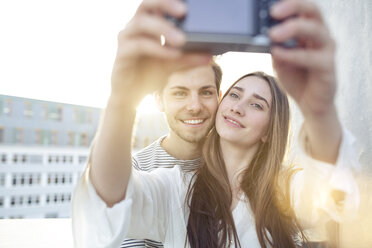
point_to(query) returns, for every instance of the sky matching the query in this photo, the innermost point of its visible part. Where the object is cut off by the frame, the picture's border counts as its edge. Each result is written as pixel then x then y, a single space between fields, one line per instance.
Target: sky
pixel 63 51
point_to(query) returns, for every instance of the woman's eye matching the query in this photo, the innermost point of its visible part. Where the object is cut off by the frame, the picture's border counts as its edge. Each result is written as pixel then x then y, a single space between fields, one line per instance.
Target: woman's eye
pixel 233 95
pixel 257 106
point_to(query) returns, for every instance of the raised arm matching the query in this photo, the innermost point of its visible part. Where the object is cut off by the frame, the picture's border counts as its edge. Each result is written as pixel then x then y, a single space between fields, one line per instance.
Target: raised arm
pixel 308 74
pixel 142 64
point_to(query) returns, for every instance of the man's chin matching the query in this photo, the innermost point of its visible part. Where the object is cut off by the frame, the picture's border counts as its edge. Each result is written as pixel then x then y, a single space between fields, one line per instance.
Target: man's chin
pixel 194 138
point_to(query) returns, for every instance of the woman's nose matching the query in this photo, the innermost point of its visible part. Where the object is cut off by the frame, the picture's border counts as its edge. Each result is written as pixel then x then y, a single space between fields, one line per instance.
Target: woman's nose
pixel 237 109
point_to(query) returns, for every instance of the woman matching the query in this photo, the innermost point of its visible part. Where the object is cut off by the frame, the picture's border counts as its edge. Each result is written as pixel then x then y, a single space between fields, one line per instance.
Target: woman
pixel 234 198
pixel 243 159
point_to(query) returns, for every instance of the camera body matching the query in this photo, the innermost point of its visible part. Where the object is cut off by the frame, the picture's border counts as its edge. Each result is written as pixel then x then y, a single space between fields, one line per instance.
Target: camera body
pixel 219 26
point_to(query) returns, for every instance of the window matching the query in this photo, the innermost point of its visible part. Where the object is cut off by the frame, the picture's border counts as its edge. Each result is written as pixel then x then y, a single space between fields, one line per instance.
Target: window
pixel 28 112
pixel 46 137
pixel 51 215
pixel 38 137
pixel 90 116
pixel 7 108
pixel 54 113
pixel 60 113
pixel 18 135
pixel 71 138
pixel 35 159
pixel 82 159
pixel 83 139
pixel 26 179
pixel 2 135
pixel 44 113
pixel 15 158
pixel 76 115
pixel 3 158
pixel 24 158
pixel 54 137
pixel 2 179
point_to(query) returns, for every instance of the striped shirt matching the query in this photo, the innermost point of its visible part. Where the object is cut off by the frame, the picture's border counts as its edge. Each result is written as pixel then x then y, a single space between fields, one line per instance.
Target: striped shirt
pixel 149 158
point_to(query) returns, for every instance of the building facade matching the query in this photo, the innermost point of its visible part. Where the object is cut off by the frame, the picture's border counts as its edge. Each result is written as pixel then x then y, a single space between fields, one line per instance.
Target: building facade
pixel 44 147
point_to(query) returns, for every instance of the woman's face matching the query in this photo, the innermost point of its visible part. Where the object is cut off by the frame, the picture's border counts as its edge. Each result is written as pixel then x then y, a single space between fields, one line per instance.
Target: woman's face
pixel 243 115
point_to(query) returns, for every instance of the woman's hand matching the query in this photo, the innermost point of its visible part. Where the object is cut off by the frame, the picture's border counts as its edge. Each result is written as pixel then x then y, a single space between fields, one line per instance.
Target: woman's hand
pixel 307 72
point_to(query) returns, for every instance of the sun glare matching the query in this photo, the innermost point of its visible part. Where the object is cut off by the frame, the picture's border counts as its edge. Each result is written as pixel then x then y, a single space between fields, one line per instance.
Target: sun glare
pixel 147 106
pixel 236 64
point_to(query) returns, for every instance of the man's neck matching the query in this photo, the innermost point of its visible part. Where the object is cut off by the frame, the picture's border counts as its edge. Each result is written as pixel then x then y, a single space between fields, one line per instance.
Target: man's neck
pixel 181 149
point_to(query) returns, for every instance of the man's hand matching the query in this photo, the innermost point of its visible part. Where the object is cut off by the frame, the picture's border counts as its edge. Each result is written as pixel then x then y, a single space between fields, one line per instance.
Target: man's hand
pixel 142 62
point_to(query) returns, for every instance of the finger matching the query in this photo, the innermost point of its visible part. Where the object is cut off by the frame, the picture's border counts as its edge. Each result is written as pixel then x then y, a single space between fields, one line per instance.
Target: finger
pixel 155 26
pixel 285 9
pixel 300 29
pixel 188 60
pixel 148 48
pixel 175 8
pixel 302 58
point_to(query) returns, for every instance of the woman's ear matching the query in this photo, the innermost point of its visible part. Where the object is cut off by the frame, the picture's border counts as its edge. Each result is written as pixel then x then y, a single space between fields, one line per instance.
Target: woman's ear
pixel 159 102
pixel 264 138
pixel 219 95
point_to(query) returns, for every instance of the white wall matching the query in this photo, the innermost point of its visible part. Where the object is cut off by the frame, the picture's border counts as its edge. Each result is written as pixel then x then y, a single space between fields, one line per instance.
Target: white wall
pixel 350 22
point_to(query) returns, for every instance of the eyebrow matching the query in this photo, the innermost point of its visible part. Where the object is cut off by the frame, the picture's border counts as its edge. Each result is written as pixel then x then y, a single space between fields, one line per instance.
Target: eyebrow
pixel 254 95
pixel 185 88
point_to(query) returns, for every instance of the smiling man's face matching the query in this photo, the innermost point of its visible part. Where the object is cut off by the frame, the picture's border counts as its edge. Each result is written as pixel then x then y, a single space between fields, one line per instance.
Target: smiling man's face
pixel 190 101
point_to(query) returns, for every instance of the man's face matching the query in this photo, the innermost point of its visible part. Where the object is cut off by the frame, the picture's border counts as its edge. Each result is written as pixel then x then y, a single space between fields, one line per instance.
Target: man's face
pixel 190 101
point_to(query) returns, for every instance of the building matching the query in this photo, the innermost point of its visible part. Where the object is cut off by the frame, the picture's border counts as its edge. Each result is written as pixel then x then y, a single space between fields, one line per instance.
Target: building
pixel 44 147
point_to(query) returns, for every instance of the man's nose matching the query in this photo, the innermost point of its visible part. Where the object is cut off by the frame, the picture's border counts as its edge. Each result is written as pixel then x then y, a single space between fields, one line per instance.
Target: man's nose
pixel 194 104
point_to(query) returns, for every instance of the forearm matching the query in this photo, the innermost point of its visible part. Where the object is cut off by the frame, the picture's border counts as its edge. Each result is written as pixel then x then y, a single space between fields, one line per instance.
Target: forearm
pixel 321 135
pixel 111 154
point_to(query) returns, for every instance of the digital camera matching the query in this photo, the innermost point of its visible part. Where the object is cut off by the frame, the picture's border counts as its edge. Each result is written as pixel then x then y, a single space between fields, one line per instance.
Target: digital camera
pixel 219 26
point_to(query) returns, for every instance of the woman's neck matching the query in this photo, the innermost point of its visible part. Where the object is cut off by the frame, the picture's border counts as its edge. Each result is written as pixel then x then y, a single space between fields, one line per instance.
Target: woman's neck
pixel 237 159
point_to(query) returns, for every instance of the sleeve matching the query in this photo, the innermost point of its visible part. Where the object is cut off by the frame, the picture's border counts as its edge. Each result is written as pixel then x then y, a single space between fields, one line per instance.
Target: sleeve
pixel 322 191
pixel 143 212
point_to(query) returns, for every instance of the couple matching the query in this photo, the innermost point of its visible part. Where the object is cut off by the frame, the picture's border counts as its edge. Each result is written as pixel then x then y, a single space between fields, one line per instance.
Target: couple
pixel 238 194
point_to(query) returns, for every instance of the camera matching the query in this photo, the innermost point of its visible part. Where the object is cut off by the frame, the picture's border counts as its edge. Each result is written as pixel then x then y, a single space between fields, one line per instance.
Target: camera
pixel 219 26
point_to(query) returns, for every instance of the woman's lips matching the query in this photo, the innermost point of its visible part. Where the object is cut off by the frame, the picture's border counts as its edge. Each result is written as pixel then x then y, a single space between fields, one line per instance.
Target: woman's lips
pixel 233 122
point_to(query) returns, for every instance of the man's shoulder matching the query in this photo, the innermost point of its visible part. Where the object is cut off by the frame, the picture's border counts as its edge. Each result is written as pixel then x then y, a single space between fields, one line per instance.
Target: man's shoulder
pixel 150 150
pixel 152 156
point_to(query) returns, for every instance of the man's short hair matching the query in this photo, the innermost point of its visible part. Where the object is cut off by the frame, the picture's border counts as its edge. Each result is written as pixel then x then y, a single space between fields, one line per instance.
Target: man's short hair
pixel 217 76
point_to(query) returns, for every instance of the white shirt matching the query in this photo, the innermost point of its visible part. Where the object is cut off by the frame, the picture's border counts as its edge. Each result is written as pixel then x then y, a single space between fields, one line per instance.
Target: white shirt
pixel 154 204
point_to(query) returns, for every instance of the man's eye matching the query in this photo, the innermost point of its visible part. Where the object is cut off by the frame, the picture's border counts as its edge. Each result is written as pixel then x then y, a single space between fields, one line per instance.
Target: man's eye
pixel 207 93
pixel 179 93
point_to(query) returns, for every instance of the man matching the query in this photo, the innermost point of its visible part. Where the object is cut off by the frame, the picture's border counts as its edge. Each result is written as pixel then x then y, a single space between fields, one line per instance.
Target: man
pixel 189 101
pixel 143 65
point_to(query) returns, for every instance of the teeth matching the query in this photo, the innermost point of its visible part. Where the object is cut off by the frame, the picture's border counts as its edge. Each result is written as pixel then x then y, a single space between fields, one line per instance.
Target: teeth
pixel 193 122
pixel 232 121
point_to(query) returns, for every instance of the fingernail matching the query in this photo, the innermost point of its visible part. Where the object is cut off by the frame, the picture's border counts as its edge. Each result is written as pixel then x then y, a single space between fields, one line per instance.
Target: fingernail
pixel 275 32
pixel 277 8
pixel 177 37
pixel 180 6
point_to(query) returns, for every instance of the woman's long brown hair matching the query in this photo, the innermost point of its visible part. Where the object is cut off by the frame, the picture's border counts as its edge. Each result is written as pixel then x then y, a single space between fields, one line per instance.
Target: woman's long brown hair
pixel 211 223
